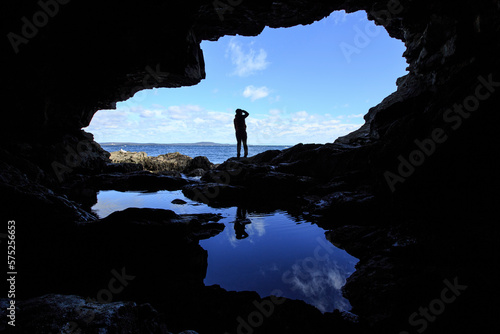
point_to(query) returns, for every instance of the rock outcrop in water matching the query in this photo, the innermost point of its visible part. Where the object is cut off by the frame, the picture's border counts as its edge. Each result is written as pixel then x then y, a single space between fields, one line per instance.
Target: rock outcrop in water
pixel 169 162
pixel 421 172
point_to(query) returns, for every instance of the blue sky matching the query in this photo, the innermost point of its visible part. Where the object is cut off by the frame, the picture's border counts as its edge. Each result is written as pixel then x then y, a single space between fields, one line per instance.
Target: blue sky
pixel 305 84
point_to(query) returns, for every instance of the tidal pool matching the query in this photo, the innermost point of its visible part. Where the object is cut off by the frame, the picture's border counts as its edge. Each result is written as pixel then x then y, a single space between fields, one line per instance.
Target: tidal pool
pixel 270 253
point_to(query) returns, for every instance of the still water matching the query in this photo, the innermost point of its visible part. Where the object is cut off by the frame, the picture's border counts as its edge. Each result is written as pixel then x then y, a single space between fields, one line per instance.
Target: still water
pixel 270 253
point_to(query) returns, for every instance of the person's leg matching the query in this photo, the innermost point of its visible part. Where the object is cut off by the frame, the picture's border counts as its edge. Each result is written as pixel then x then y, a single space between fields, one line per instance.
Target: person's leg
pixel 238 145
pixel 245 147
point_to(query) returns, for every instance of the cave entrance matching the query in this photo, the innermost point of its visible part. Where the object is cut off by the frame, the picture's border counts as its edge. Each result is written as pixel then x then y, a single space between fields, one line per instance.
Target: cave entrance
pixel 308 84
pixel 304 84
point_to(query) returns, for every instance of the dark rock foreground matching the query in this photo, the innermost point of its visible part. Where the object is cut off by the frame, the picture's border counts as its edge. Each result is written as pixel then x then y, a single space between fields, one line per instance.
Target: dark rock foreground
pixel 412 193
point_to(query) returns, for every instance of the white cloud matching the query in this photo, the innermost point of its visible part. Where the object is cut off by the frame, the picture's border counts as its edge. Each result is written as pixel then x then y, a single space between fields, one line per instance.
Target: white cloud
pixel 276 98
pixel 298 127
pixel 183 112
pixel 220 116
pixel 192 123
pixel 150 113
pixel 302 114
pixel 255 93
pixel 248 62
pixel 338 17
pixel 108 119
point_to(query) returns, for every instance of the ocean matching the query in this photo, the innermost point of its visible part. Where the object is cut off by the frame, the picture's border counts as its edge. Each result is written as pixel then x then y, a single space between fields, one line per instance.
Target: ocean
pixel 215 153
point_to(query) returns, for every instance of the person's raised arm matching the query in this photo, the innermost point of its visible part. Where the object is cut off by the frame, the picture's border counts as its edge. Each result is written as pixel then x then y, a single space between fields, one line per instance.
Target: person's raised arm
pixel 245 113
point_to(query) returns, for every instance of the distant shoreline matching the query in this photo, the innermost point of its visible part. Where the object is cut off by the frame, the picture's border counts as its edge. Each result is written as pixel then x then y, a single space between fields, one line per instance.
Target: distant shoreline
pixel 181 144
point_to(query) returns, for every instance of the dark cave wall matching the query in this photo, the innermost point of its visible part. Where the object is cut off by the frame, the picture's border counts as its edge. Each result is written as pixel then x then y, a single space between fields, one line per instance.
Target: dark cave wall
pixel 86 56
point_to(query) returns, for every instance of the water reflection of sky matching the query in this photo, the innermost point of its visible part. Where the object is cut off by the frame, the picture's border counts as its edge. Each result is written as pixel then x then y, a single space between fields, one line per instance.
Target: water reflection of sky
pixel 272 251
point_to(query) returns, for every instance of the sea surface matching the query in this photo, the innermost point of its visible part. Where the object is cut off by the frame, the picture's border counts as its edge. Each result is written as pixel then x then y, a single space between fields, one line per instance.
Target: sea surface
pixel 215 153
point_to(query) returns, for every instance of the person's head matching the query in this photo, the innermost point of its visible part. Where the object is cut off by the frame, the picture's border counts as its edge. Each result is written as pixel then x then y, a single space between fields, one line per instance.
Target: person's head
pixel 239 111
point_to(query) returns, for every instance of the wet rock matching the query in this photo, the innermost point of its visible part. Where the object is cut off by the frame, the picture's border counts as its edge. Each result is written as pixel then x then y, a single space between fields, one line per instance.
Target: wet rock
pixel 141 216
pixel 203 225
pixel 56 313
pixel 198 172
pixel 215 194
pixel 236 172
pixel 173 173
pixel 142 180
pixel 360 207
pixel 199 162
pixel 279 184
pixel 28 200
pixel 195 226
pixel 237 180
pixel 165 162
pixel 264 157
pixel 157 250
pixel 123 167
pixel 170 161
pixel 285 315
pixel 178 201
pixel 128 157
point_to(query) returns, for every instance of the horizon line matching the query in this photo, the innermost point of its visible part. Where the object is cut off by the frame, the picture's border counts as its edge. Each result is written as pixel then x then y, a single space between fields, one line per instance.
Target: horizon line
pixel 196 143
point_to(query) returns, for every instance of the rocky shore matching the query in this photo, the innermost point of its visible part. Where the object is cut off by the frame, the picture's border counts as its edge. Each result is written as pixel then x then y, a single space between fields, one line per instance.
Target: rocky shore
pixel 169 163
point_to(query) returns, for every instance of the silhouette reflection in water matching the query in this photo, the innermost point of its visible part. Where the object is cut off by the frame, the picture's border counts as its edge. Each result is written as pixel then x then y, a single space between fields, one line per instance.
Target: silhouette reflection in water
pixel 240 222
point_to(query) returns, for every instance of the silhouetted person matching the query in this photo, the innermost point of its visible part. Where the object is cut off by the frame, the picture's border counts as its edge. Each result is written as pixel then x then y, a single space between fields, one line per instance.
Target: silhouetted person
pixel 240 222
pixel 241 131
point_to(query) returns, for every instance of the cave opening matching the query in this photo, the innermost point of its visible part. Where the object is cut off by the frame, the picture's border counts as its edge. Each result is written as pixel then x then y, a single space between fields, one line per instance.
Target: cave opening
pixel 302 84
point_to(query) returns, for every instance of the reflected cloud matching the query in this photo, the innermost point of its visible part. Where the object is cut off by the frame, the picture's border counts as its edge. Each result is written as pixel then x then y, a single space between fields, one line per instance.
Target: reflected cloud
pixel 258 226
pixel 319 284
pixel 269 268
